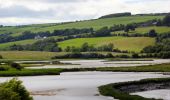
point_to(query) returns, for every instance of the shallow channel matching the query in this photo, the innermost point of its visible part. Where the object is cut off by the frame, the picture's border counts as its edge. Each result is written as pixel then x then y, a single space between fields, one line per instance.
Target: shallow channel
pixel 102 63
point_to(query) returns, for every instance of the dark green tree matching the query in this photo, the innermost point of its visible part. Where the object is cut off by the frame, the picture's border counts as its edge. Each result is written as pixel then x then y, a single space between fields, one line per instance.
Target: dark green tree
pixel 166 20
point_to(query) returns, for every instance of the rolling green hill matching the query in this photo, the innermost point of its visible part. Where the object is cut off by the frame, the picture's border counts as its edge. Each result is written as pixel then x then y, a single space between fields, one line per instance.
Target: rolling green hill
pixel 96 24
pixel 123 43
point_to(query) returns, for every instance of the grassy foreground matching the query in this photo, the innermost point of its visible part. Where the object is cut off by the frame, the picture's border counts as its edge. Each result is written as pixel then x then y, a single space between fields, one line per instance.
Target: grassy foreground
pixel 115 89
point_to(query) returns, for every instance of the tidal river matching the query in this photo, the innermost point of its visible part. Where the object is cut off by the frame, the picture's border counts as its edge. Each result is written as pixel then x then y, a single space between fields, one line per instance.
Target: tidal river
pixel 100 63
pixel 77 85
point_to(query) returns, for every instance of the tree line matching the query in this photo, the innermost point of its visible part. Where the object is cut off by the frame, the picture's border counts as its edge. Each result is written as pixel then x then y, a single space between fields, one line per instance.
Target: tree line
pixel 84 32
pixel 50 44
pixel 41 45
pixel 162 47
pixel 93 55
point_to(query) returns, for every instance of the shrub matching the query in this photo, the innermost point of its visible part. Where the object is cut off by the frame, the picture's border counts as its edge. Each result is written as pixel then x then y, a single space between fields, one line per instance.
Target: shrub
pixel 1 57
pixel 135 55
pixel 3 68
pixel 152 33
pixel 55 62
pixel 7 94
pixel 109 55
pixel 16 66
pixel 13 90
pixel 123 56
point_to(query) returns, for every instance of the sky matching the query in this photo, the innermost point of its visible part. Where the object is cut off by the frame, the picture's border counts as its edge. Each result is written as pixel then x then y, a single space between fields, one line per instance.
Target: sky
pixel 21 12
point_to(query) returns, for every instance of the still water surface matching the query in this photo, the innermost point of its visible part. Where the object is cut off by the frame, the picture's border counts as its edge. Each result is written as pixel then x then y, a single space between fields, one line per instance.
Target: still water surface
pixel 77 85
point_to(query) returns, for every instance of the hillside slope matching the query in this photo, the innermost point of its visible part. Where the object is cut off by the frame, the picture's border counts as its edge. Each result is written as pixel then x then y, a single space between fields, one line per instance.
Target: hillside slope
pixel 123 43
pixel 96 24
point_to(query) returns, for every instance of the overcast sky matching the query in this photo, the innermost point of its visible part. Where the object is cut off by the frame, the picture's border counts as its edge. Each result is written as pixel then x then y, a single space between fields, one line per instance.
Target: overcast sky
pixel 17 12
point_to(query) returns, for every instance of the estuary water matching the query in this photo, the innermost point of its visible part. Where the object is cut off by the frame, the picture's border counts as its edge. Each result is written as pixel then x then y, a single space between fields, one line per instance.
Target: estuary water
pixel 77 85
pixel 102 63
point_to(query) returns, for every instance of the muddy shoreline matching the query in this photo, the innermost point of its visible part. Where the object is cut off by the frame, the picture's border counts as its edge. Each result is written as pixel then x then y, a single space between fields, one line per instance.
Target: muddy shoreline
pixel 127 90
pixel 144 87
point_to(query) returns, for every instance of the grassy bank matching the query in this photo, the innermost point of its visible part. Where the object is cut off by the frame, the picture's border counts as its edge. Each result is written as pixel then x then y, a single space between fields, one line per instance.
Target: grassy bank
pixel 38 55
pixel 57 71
pixel 27 55
pixel 149 68
pixel 121 90
pixel 30 72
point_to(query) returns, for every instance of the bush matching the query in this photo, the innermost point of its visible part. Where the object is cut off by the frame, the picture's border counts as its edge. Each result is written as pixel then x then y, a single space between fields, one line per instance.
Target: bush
pixel 109 55
pixel 1 57
pixel 14 90
pixel 152 33
pixel 55 62
pixel 80 55
pixel 123 56
pixel 3 68
pixel 16 66
pixel 102 32
pixel 135 55
pixel 7 94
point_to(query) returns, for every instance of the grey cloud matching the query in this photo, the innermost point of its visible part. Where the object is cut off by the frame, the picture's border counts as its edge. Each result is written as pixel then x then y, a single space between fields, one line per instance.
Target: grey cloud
pixel 137 1
pixel 61 1
pixel 21 11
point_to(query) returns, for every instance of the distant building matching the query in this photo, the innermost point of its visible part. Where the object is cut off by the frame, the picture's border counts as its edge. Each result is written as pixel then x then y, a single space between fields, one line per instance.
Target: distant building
pixel 44 37
pixel 39 37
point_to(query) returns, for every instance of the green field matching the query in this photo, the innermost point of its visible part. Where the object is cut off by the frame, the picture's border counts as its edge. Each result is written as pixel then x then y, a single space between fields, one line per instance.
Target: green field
pixel 5 46
pixel 23 42
pixel 96 24
pixel 143 30
pixel 27 55
pixel 123 43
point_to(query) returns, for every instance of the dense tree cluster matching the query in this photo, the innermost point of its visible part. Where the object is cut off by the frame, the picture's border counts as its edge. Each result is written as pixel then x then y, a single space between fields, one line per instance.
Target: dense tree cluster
pixel 162 47
pixel 89 55
pixel 67 32
pixel 94 55
pixel 31 35
pixel 130 27
pixel 165 21
pixel 102 32
pixel 116 15
pixel 80 55
pixel 41 45
pixel 88 48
